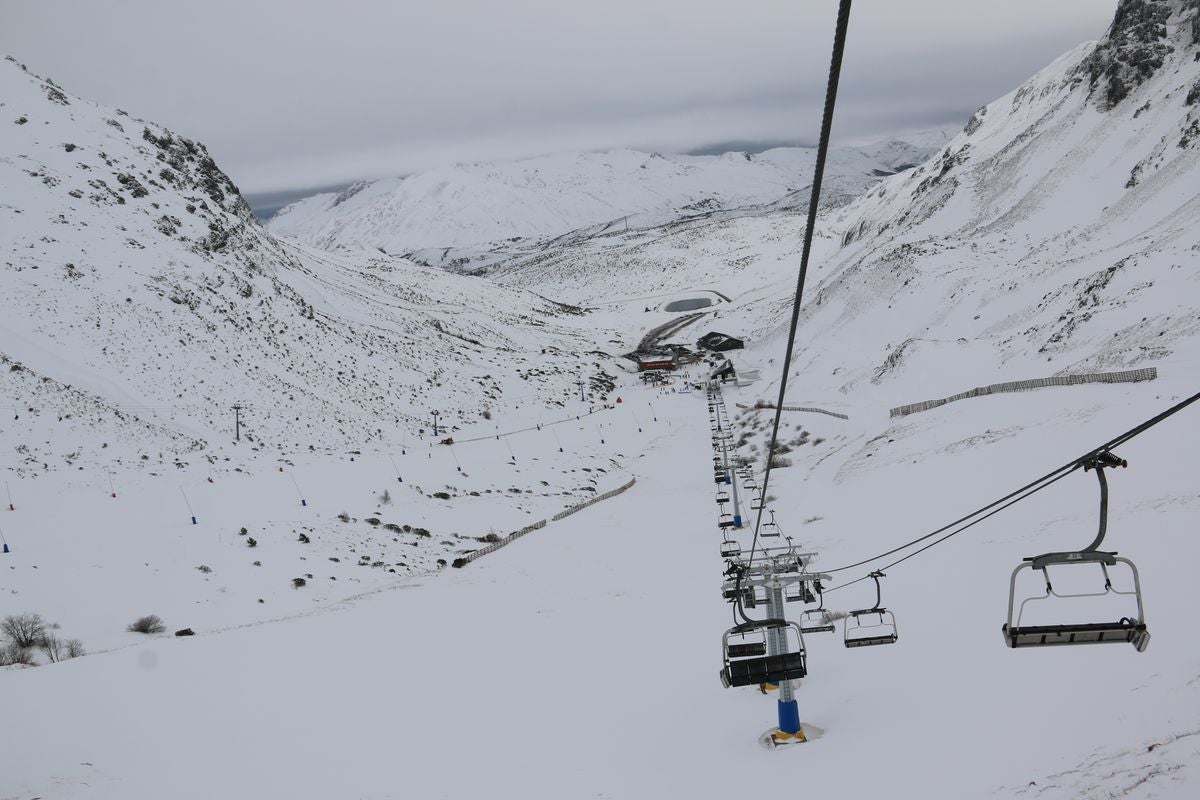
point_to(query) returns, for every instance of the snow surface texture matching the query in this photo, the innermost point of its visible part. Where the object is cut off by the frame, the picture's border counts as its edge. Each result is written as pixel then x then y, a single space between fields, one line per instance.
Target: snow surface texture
pixel 528 672
pixel 514 204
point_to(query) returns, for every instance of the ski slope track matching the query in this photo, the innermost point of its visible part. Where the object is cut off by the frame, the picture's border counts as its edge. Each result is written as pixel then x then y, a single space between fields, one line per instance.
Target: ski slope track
pixel 1056 234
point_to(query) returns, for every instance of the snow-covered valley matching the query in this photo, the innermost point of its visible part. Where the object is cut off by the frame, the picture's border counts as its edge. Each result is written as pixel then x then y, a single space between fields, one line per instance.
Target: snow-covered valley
pixel 1057 234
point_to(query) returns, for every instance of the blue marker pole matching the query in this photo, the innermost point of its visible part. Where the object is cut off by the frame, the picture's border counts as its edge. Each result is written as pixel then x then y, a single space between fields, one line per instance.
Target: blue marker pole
pixel 188 504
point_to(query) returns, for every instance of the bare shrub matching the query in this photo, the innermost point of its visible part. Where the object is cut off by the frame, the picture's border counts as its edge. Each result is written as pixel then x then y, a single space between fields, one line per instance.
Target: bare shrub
pixel 151 623
pixel 23 630
pixel 75 648
pixel 298 582
pixel 344 517
pixel 386 498
pixel 13 656
pixel 53 648
pixel 779 462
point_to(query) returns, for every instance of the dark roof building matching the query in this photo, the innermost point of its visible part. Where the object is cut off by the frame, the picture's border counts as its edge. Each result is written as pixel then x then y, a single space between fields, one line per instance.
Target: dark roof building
pixel 719 342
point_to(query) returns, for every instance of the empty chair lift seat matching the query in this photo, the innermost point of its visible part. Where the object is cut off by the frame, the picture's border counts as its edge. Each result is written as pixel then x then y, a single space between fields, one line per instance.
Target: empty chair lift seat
pixel 746 662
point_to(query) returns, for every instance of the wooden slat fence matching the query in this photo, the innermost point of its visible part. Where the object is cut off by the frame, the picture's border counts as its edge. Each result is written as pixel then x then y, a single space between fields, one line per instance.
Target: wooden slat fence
pixel 1127 376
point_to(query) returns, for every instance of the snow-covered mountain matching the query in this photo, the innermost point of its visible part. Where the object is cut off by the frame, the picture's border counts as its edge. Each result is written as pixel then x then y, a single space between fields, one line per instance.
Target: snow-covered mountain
pixel 1057 233
pixel 143 301
pixel 477 203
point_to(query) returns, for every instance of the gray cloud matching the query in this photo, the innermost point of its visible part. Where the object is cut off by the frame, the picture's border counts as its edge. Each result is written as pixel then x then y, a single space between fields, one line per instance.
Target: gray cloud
pixel 304 93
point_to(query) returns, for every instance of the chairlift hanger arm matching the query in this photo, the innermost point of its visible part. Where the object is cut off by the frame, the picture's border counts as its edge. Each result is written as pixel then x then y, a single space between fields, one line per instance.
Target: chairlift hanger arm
pixel 1094 457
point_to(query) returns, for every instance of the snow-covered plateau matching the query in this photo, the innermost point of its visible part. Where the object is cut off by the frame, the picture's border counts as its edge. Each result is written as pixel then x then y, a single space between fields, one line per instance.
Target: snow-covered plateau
pixel 336 653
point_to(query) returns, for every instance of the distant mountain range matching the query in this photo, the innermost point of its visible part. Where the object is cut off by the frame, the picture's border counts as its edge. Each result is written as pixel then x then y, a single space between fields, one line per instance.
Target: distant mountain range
pixel 478 203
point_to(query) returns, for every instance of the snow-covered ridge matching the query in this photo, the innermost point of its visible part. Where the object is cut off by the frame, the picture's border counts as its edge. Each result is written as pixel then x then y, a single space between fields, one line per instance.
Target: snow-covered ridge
pixel 476 203
pixel 140 291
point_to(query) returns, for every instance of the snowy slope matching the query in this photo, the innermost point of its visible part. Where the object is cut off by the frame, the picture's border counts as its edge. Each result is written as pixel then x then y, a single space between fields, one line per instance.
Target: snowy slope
pixel 582 660
pixel 1054 233
pixel 143 301
pixel 476 203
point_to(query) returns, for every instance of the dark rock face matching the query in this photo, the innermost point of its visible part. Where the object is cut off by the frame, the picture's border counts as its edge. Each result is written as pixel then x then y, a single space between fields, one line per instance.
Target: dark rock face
pixel 1134 49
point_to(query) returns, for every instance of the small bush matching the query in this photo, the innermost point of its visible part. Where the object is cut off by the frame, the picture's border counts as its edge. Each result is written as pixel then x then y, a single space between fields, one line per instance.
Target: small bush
pixel 490 538
pixel 779 462
pixel 422 532
pixel 304 538
pixel 386 498
pixel 344 517
pixel 151 623
pixel 372 520
pixel 243 532
pixel 53 648
pixel 441 495
pixel 487 413
pixel 298 582
pixel 23 630
pixel 13 656
pixel 75 648
pixel 205 568
pixel 251 542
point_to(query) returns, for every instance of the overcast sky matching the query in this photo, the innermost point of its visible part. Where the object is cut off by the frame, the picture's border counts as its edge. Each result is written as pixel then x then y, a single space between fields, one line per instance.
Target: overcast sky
pixel 299 94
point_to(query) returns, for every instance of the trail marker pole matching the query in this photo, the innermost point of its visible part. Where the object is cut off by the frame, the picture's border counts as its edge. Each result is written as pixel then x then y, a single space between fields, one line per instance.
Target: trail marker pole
pixel 111 490
pixel 187 503
pixel 435 416
pixel 4 542
pixel 303 502
pixel 237 423
pixel 398 478
pixel 8 491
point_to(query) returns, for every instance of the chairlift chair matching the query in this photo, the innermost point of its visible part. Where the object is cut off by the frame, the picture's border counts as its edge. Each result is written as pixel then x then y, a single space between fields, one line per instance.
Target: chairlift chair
pixel 725 520
pixel 798 592
pixel 744 649
pixel 1131 629
pixel 730 549
pixel 731 591
pixel 816 620
pixel 722 497
pixel 770 530
pixel 868 627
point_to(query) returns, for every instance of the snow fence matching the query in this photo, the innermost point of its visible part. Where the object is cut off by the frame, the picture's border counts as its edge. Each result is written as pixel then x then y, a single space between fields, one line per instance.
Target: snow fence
pixel 763 404
pixel 512 537
pixel 1128 376
pixel 494 546
pixel 566 512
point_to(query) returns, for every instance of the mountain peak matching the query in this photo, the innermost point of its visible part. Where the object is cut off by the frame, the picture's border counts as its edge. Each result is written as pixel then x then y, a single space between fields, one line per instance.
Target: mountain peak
pixel 1142 35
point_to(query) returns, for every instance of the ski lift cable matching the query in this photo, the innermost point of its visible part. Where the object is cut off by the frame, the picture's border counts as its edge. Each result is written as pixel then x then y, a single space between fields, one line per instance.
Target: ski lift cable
pixel 1009 499
pixel 835 70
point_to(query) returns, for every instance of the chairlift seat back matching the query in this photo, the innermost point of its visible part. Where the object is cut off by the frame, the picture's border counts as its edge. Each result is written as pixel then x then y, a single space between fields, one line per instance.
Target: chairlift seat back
pixel 878 632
